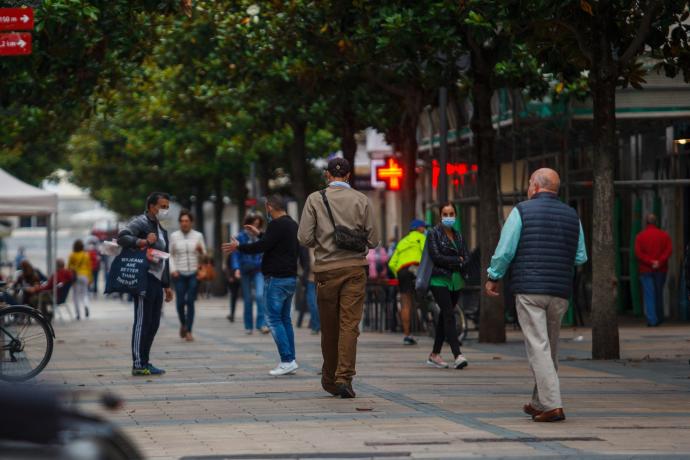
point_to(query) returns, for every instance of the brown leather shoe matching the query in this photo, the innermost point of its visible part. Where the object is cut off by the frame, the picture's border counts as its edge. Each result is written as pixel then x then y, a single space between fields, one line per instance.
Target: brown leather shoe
pixel 183 332
pixel 554 415
pixel 345 390
pixel 330 388
pixel 530 410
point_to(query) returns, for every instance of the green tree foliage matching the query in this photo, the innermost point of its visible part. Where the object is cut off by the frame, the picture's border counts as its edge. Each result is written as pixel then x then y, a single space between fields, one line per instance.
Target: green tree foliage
pixel 77 47
pixel 609 40
pixel 500 59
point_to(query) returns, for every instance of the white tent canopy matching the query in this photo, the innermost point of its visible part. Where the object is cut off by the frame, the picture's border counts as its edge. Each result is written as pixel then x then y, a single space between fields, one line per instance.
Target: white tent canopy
pixel 18 198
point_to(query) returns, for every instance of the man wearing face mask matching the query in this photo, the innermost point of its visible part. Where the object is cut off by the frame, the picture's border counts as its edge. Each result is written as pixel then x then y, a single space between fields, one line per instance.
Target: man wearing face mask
pixel 145 232
pixel 541 242
pixel 279 266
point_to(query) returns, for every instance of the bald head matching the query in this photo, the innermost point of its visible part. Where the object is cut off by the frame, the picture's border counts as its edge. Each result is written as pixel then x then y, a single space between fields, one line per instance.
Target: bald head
pixel 651 219
pixel 543 180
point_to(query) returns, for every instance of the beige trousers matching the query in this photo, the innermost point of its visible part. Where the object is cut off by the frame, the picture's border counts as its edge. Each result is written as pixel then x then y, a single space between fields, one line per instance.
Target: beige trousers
pixel 540 319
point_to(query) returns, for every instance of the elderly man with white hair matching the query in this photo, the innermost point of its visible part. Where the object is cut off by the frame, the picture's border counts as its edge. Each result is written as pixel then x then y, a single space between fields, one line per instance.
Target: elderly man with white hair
pixel 541 242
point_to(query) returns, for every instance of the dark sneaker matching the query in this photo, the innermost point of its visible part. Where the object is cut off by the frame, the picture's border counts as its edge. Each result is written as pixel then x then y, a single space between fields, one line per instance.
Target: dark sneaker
pixel 409 340
pixel 231 318
pixel 140 371
pixel 154 370
pixel 86 311
pixel 345 390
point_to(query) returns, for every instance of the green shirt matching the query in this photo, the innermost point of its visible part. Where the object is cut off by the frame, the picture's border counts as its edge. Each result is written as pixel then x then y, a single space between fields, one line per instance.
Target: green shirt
pixel 454 283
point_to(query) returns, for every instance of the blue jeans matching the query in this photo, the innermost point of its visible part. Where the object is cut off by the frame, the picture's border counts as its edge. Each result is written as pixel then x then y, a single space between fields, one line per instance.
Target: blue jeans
pixel 314 321
pixel 279 292
pixel 257 280
pixel 653 288
pixel 185 293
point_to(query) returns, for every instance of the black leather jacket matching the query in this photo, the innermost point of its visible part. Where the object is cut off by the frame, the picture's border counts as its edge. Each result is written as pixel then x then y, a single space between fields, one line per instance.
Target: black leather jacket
pixel 137 229
pixel 443 253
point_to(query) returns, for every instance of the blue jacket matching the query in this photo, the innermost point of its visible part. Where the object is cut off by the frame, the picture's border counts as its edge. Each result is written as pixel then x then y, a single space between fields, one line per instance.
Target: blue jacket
pixel 245 263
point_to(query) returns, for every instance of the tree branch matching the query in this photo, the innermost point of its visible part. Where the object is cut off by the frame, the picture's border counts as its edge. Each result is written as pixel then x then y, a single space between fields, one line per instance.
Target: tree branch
pixel 393 89
pixel 641 34
pixel 581 43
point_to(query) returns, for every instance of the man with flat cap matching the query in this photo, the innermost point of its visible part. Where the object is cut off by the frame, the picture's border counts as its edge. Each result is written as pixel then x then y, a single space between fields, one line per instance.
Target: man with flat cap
pixel 541 242
pixel 340 270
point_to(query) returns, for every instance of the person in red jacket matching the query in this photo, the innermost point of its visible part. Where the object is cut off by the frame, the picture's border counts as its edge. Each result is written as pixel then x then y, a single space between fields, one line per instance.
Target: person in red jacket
pixel 653 248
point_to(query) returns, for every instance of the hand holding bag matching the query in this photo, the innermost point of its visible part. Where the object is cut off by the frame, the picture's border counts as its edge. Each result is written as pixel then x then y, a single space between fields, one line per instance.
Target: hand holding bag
pixel 128 272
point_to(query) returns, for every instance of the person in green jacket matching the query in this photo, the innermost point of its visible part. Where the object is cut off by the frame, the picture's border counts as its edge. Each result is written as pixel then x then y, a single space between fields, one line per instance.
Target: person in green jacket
pixel 404 263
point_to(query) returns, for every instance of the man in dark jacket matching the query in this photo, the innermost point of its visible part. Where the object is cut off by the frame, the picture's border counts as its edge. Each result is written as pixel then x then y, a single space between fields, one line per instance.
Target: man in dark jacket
pixel 144 232
pixel 279 267
pixel 541 241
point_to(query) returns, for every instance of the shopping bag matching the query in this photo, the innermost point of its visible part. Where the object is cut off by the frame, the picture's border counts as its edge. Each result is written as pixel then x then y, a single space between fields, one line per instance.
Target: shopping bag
pixel 424 272
pixel 128 273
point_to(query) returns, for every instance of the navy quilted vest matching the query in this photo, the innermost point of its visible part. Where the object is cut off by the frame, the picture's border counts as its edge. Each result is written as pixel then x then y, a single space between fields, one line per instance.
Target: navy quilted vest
pixel 545 255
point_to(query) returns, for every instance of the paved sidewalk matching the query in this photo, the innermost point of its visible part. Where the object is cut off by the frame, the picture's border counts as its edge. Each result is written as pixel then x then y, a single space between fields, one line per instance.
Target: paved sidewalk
pixel 218 399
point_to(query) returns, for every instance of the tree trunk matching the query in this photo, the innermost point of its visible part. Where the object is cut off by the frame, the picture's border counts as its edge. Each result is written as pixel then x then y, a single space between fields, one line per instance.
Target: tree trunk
pixel 605 343
pixel 348 143
pixel 408 191
pixel 491 322
pixel 218 286
pixel 298 161
pixel 199 209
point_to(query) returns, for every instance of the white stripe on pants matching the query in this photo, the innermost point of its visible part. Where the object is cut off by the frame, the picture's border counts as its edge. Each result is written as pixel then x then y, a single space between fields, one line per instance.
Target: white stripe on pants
pixel 138 323
pixel 81 293
pixel 540 319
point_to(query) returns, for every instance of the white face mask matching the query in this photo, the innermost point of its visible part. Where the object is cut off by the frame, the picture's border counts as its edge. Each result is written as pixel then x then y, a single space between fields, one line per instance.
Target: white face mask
pixel 162 213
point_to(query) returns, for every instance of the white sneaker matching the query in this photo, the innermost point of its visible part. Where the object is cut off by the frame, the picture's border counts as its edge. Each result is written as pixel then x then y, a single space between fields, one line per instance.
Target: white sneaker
pixel 460 362
pixel 285 368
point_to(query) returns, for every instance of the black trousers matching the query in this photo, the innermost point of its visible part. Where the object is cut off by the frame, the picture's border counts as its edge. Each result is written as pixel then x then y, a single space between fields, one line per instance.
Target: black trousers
pixel 147 318
pixel 445 327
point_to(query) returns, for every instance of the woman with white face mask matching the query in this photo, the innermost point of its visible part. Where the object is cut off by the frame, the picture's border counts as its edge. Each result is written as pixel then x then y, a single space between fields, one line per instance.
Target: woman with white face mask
pixel 449 255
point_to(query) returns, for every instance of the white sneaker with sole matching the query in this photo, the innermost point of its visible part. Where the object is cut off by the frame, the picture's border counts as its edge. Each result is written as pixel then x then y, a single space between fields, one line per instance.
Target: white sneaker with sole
pixel 460 362
pixel 285 368
pixel 437 362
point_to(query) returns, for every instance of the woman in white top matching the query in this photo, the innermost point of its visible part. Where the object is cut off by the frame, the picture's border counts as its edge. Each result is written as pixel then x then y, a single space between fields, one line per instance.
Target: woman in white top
pixel 186 247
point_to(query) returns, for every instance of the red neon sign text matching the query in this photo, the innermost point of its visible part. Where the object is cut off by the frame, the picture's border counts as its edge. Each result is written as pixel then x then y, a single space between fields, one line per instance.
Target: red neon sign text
pixel 452 169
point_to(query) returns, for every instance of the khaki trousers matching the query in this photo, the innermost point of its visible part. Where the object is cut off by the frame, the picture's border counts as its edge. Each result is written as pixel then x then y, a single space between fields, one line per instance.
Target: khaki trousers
pixel 340 296
pixel 540 319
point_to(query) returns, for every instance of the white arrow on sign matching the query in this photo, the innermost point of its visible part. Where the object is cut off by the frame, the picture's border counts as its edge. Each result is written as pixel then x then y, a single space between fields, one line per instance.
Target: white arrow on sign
pixel 25 19
pixel 21 43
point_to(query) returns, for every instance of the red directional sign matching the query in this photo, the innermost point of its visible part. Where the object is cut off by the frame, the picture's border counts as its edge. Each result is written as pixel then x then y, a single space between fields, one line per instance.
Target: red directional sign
pixel 16 19
pixel 15 44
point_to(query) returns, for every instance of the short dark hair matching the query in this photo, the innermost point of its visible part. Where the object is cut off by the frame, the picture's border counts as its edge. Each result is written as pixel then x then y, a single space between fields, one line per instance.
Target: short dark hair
pixel 153 198
pixel 277 202
pixel 78 246
pixel 185 212
pixel 251 217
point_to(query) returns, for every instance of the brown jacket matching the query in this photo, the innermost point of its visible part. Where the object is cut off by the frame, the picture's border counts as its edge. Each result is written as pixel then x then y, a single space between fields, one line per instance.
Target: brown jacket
pixel 350 208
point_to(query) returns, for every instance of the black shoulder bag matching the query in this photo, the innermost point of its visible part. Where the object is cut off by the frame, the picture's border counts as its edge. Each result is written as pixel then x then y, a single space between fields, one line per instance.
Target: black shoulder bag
pixel 346 238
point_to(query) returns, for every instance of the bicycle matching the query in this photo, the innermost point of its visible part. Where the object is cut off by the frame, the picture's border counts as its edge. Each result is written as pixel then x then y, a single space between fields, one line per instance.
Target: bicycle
pixel 428 313
pixel 26 341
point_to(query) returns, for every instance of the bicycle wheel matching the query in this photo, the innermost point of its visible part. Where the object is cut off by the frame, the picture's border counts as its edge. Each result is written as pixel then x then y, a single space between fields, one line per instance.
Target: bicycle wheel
pixel 461 324
pixel 26 343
